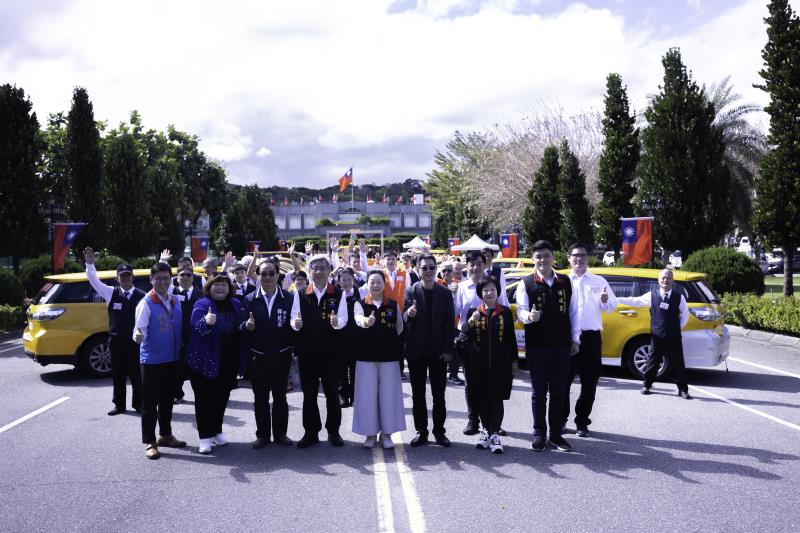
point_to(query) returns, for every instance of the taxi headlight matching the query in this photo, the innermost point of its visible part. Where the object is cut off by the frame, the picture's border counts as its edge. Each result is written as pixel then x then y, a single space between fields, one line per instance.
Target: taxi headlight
pixel 707 314
pixel 48 314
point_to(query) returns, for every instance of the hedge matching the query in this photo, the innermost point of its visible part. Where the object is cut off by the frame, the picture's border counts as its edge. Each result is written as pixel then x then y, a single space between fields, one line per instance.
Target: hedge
pixel 780 315
pixel 11 317
pixel 11 291
pixel 727 270
pixel 33 270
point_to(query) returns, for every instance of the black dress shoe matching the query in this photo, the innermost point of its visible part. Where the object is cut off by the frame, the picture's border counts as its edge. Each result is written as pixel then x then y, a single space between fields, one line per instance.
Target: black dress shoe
pixel 335 439
pixel 559 443
pixel 442 440
pixel 685 395
pixel 471 428
pixel 307 440
pixel 283 440
pixel 502 432
pixel 645 390
pixel 538 444
pixel 582 431
pixel 420 439
pixel 455 380
pixel 260 442
pixel 116 411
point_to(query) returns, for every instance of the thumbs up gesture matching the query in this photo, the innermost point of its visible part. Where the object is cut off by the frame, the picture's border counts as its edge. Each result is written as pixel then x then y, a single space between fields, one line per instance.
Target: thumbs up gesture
pixel 474 318
pixel 138 337
pixel 604 295
pixel 297 322
pixel 334 320
pixel 412 311
pixel 251 323
pixel 211 318
pixel 371 320
pixel 536 313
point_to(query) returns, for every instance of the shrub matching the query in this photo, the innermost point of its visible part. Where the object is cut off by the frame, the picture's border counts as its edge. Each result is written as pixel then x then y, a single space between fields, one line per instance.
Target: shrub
pixel 11 316
pixel 727 270
pixel 781 315
pixel 144 262
pixel 108 262
pixel 11 291
pixel 325 221
pixel 560 260
pixel 33 270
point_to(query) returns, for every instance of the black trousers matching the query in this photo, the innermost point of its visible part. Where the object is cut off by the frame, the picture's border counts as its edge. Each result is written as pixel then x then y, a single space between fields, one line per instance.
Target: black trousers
pixel 489 407
pixel 549 368
pixel 347 380
pixel 181 374
pixel 316 369
pixel 672 349
pixel 269 374
pixel 420 369
pixel 210 401
pixel 472 410
pixel 158 386
pixel 124 366
pixel 588 363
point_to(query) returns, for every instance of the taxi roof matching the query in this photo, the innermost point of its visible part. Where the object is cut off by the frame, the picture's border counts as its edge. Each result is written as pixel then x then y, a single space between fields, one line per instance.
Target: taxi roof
pixel 651 273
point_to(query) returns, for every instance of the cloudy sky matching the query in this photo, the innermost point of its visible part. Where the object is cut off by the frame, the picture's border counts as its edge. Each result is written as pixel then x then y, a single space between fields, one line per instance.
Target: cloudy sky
pixel 295 92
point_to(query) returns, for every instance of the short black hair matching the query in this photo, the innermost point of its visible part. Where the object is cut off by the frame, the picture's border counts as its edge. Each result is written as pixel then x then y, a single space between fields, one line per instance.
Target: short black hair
pixel 541 244
pixel 160 267
pixel 387 253
pixel 487 280
pixel 488 249
pixel 185 259
pixel 474 255
pixel 274 261
pixel 425 257
pixel 346 270
pixel 379 272
pixel 301 274
pixel 575 245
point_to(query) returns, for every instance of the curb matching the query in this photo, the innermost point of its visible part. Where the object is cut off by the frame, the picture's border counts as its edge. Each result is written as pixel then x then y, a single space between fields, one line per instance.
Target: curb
pixel 764 336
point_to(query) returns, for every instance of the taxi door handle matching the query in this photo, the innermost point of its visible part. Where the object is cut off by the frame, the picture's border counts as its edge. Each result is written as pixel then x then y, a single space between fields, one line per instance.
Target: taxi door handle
pixel 628 312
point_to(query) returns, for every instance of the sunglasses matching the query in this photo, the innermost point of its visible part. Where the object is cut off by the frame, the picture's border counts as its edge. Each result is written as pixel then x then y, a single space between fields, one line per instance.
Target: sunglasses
pixel 268 274
pixel 447 270
pixel 428 268
pixel 185 274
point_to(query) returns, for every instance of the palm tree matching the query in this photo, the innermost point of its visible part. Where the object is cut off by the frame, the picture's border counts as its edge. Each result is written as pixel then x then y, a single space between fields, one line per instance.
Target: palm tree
pixel 745 145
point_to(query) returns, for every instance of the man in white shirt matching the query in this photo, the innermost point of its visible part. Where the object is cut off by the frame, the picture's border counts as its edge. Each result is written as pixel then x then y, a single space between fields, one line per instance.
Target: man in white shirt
pixel 594 296
pixel 668 315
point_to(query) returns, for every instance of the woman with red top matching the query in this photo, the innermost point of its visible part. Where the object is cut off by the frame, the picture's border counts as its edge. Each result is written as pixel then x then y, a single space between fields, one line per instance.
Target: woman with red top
pixel 493 360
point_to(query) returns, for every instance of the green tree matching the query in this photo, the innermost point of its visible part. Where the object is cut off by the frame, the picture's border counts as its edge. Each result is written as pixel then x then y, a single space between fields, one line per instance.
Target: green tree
pixel 621 150
pixel 248 218
pixel 682 179
pixel 777 211
pixel 54 168
pixel 22 190
pixel 85 163
pixel 576 215
pixel 542 216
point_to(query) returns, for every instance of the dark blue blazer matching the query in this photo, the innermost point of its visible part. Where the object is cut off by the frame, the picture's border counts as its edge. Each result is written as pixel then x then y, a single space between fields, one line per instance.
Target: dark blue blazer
pixel 273 336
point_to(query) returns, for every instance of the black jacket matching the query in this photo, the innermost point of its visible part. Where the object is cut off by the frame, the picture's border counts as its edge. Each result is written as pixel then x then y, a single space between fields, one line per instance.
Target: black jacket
pixel 440 326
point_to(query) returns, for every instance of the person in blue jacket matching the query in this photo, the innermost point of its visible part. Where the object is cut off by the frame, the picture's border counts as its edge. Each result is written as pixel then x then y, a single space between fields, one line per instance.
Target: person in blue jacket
pixel 213 357
pixel 268 342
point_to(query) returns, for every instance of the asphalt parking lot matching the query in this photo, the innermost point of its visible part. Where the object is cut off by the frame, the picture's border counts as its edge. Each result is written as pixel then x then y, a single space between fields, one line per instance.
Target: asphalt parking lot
pixel 729 460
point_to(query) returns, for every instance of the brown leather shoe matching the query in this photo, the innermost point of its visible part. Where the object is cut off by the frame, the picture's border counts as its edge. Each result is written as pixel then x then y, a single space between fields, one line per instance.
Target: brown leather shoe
pixel 151 451
pixel 171 442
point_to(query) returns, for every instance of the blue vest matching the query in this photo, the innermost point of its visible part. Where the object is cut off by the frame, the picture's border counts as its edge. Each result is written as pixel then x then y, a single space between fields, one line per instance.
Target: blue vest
pixel 162 344
pixel 665 323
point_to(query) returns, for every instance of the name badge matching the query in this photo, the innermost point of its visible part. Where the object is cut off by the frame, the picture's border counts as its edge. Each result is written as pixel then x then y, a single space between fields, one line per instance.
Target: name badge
pixel 663 305
pixel 117 306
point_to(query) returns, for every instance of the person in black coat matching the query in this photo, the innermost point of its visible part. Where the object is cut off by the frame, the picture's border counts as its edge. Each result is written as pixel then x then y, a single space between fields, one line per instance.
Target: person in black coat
pixel 493 360
pixel 430 320
pixel 268 342
pixel 187 294
pixel 349 338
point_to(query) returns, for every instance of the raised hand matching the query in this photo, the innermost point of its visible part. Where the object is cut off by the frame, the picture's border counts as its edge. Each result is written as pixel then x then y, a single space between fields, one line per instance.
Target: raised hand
pixel 166 255
pixel 412 311
pixel 88 255
pixel 290 251
pixel 230 259
pixel 211 318
pixel 362 245
pixel 251 323
pixel 371 320
pixel 309 248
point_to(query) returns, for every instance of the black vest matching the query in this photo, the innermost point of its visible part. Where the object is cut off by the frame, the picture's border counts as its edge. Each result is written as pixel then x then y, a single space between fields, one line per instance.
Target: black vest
pixel 122 312
pixel 380 342
pixel 553 330
pixel 273 335
pixel 665 323
pixel 317 338
pixel 186 309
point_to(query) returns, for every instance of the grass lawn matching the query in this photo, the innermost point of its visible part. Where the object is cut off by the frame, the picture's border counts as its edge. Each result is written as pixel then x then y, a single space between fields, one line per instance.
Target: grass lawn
pixel 773 285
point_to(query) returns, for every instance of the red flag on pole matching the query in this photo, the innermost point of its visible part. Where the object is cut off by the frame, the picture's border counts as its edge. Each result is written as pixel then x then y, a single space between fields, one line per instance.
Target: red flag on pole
pixel 453 241
pixel 346 180
pixel 199 249
pixel 64 234
pixel 637 240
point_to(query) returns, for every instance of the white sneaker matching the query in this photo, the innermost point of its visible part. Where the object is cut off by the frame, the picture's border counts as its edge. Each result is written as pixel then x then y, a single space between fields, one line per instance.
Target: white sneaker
pixel 205 446
pixel 370 441
pixel 494 444
pixel 220 440
pixel 386 441
pixel 483 440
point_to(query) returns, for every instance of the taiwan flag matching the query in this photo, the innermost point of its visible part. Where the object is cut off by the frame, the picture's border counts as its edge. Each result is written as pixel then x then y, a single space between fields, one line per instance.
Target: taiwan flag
pixel 637 240
pixel 508 244
pixel 346 180
pixel 64 234
pixel 453 241
pixel 199 249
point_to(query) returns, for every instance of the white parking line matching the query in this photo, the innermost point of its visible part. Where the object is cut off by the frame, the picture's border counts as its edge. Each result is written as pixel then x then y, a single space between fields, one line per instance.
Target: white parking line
pixel 415 517
pixel 383 492
pixel 12 341
pixel 746 408
pixel 39 411
pixel 16 347
pixel 764 367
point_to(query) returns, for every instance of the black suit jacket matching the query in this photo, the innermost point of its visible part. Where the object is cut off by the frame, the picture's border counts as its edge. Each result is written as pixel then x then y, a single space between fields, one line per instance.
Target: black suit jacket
pixel 441 325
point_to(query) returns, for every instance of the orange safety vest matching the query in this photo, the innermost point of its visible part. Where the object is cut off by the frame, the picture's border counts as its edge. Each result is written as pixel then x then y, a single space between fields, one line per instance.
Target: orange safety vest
pixel 398 293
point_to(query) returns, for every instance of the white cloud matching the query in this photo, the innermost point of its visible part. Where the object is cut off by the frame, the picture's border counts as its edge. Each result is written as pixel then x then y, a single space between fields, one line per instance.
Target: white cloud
pixel 356 76
pixel 264 152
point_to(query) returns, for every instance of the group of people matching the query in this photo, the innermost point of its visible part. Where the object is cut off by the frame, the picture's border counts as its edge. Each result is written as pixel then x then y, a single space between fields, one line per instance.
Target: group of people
pixel 354 323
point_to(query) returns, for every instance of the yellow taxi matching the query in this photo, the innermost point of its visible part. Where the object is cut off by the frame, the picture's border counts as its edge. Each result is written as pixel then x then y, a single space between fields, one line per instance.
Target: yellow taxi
pixel 68 321
pixel 626 331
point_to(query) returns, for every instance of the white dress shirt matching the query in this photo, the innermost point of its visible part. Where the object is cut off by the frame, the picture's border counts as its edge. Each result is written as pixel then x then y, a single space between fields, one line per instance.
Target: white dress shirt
pixel 646 300
pixel 105 291
pixel 588 288
pixel 143 313
pixel 524 308
pixel 341 313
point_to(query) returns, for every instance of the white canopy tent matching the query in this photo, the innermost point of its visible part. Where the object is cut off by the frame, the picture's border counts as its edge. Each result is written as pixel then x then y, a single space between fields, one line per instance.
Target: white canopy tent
pixel 475 243
pixel 416 244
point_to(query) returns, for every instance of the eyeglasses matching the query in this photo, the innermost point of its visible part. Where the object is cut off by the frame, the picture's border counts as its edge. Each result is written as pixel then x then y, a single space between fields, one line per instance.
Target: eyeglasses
pixel 447 270
pixel 319 267
pixel 268 274
pixel 429 268
pixel 185 274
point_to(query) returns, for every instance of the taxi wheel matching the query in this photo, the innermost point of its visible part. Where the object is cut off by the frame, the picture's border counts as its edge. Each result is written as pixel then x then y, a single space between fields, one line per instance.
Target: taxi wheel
pixel 636 354
pixel 96 357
